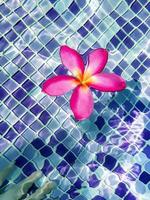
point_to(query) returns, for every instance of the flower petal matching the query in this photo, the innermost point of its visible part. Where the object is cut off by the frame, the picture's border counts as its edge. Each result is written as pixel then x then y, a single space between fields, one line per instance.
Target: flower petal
pixel 72 60
pixel 107 82
pixel 97 61
pixel 59 85
pixel 81 102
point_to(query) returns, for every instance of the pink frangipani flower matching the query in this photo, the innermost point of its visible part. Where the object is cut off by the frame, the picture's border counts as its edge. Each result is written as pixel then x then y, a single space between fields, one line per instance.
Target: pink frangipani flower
pixel 82 79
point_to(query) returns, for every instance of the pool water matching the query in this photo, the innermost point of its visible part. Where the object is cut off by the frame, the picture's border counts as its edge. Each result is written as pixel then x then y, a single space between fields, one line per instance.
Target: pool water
pixel 106 157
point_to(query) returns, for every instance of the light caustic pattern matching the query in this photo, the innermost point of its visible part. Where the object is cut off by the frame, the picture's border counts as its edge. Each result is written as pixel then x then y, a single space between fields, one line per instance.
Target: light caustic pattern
pixel 106 157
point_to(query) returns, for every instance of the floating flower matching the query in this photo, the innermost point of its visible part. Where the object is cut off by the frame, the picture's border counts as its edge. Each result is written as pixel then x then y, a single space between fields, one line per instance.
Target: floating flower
pixel 82 79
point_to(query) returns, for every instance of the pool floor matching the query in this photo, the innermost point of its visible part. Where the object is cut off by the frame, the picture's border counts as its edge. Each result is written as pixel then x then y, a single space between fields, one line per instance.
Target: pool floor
pixel 105 157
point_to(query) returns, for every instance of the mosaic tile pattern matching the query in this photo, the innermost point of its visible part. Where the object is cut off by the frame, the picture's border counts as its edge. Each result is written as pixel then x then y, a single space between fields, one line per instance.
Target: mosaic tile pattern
pixel 106 157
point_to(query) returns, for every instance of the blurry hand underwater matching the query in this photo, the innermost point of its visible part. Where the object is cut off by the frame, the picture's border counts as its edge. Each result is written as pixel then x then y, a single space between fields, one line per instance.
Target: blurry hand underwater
pixel 20 191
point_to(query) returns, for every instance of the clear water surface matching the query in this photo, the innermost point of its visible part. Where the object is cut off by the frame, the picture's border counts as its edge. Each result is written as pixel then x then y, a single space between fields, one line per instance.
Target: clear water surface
pixel 106 157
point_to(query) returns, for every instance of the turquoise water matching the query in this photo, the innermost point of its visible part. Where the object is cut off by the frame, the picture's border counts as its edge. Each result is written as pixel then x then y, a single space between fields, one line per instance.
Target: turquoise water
pixel 105 157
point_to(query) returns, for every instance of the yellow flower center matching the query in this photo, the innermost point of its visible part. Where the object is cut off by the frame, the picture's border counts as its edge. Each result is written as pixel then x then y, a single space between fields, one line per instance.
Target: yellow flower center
pixel 83 78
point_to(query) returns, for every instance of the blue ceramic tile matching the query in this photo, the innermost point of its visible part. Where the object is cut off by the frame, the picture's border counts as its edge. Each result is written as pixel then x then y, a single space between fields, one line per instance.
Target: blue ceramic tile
pixel 47 168
pixel 27 52
pixel 74 8
pixel 3 93
pixel 3 127
pixel 28 85
pixel 93 181
pixel 61 150
pixel 20 11
pixel 10 135
pixel 52 14
pixel 19 94
pixel 130 196
pixel 19 77
pixel 19 127
pixel 19 27
pixel 83 32
pixel 45 117
pixel 4 44
pixel 21 161
pixel 29 169
pixel 121 190
pixel 46 151
pixel 11 35
pixel 110 162
pixel 136 7
pixel 37 143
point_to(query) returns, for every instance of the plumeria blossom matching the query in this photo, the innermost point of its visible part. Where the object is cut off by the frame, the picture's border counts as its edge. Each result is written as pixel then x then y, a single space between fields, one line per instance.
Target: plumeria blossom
pixel 82 79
